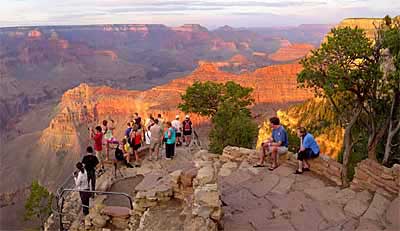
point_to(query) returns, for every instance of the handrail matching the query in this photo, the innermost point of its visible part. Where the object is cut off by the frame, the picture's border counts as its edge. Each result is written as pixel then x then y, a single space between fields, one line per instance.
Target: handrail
pixel 60 196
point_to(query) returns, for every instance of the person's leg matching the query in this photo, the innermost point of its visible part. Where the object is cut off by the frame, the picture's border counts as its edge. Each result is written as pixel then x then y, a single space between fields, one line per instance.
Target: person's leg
pixel 107 149
pixel 173 150
pixel 274 156
pixel 151 150
pixel 168 150
pixel 157 150
pixel 300 159
pixel 85 202
pixel 262 156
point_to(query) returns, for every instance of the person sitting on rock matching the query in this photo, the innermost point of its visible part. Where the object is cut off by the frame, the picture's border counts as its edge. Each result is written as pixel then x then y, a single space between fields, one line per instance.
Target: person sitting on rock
pixel 308 149
pixel 276 145
pixel 127 150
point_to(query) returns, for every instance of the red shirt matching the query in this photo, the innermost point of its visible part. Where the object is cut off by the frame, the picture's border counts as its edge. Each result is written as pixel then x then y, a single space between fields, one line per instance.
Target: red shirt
pixel 98 141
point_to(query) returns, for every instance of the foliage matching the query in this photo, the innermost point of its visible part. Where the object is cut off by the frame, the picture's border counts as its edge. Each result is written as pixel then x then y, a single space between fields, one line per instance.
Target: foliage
pixel 232 127
pixel 226 104
pixel 205 98
pixel 37 206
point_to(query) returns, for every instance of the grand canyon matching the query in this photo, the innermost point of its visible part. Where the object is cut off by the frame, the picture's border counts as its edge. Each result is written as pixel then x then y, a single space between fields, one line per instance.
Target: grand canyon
pixel 56 81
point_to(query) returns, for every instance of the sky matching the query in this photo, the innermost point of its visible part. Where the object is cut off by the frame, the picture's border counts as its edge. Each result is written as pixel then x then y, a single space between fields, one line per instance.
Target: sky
pixel 209 13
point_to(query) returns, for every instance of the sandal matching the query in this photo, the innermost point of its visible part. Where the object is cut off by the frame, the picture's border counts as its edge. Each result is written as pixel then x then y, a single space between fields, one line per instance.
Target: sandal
pixel 258 166
pixel 298 172
pixel 272 168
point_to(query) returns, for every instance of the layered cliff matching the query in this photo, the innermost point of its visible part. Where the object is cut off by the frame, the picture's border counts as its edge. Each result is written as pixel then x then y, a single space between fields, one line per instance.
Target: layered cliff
pixel 86 105
pixel 291 52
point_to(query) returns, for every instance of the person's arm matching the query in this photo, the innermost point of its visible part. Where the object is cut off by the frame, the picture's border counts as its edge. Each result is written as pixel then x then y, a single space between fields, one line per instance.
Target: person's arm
pixel 78 179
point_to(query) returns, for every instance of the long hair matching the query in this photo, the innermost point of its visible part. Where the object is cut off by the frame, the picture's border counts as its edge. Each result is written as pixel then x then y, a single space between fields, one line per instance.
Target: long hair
pixel 80 167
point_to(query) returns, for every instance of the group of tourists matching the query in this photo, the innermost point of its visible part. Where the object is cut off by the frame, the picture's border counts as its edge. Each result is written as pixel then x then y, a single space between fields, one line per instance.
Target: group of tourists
pixel 278 143
pixel 155 132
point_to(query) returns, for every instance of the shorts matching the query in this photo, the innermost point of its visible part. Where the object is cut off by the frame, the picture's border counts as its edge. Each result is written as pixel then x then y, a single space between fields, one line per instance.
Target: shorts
pixel 281 150
pixel 99 155
pixel 306 154
pixel 154 145
pixel 187 133
pixel 178 134
pixel 136 146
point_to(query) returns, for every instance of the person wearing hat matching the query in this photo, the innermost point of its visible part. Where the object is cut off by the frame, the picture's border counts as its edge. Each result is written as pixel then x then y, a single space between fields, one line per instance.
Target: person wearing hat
pixel 187 129
pixel 177 125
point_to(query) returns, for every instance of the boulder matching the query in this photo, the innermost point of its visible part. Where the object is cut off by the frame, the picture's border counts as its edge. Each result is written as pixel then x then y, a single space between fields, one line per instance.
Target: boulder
pixel 99 221
pixel 207 195
pixel 377 208
pixel 188 176
pixel 204 176
pixel 393 213
pixel 116 211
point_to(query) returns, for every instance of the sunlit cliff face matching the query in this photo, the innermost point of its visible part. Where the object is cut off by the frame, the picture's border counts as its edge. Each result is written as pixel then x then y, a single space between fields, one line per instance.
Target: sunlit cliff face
pixel 86 105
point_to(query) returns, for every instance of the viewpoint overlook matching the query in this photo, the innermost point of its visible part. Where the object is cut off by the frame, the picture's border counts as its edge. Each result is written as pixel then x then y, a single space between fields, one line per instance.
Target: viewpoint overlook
pixel 59 82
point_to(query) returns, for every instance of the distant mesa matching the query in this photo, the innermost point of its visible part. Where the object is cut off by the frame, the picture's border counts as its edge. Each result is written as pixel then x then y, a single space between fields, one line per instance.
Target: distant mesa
pixel 369 25
pixel 34 34
pixel 225 28
pixel 190 28
pixel 291 52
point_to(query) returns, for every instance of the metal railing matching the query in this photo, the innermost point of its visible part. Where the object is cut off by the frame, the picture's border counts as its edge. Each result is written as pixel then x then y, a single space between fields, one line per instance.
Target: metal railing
pixel 60 200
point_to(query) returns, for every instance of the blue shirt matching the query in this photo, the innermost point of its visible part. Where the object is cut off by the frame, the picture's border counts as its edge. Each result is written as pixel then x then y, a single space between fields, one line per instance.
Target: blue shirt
pixel 173 136
pixel 128 131
pixel 309 142
pixel 280 135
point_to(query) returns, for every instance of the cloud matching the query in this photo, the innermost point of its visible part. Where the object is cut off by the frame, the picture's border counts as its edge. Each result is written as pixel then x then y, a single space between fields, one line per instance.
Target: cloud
pixel 208 12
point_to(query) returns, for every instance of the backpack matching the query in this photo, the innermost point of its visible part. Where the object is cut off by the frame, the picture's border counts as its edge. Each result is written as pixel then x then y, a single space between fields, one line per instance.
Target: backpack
pixel 119 154
pixel 187 127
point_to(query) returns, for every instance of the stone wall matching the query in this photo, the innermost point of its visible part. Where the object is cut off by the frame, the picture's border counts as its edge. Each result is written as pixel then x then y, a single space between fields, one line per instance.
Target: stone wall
pixel 376 177
pixel 370 175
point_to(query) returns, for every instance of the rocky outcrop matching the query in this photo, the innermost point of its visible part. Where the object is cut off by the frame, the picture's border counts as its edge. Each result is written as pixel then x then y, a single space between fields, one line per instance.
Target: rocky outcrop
pixel 373 176
pixel 291 52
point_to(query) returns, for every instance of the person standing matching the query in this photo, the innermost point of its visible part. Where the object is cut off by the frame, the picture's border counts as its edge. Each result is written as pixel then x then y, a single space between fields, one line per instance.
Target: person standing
pixel 178 128
pixel 90 162
pixel 128 130
pixel 308 149
pixel 155 140
pixel 97 136
pixel 170 137
pixel 187 129
pixel 81 184
pixel 136 142
pixel 160 121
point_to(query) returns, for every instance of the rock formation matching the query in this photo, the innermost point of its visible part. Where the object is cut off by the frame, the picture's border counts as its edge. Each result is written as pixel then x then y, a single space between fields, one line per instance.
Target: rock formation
pixel 291 52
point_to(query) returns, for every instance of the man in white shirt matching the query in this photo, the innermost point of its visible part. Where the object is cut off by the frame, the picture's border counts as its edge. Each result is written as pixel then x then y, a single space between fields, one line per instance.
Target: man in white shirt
pixel 178 127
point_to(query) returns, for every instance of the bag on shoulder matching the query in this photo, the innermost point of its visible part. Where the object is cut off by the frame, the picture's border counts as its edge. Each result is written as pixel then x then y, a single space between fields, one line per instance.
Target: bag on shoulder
pixel 119 154
pixel 187 127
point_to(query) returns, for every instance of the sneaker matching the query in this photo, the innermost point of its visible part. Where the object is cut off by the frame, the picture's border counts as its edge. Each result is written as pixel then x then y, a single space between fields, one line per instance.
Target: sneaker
pixel 168 158
pixel 128 165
